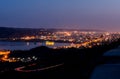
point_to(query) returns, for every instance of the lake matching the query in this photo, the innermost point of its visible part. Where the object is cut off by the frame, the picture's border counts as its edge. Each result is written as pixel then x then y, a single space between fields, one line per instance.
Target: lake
pixel 6 45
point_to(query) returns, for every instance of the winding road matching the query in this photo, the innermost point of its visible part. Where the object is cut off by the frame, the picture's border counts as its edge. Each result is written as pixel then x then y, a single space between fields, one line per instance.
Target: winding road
pixel 21 69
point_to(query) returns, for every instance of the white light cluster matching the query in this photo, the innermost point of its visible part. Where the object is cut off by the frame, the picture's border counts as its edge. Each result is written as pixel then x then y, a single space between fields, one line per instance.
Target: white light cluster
pixel 19 59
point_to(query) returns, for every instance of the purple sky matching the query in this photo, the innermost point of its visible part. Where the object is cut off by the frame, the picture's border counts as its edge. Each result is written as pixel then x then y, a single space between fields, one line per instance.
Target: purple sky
pixel 82 14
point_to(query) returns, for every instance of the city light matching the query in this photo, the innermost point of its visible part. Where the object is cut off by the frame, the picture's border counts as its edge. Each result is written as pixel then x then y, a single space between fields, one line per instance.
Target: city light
pixel 4 55
pixel 49 43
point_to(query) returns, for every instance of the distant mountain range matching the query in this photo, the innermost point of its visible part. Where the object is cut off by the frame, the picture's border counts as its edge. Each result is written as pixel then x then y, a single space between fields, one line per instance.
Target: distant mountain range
pixel 9 32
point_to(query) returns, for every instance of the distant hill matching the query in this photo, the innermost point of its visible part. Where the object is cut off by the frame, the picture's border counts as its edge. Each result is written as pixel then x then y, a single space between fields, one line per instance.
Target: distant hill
pixel 7 32
pixel 17 32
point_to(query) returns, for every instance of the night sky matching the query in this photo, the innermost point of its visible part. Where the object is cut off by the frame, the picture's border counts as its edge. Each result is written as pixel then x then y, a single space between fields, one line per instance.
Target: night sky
pixel 82 14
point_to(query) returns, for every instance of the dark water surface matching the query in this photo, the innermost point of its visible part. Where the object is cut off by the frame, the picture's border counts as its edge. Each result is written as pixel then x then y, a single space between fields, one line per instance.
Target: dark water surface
pixel 6 45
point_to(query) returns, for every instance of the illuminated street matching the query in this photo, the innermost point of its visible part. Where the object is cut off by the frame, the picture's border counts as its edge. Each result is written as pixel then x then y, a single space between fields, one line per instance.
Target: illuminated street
pixel 21 69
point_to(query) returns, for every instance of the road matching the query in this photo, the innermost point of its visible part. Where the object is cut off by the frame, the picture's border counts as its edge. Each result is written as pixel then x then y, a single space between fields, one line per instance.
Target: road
pixel 21 69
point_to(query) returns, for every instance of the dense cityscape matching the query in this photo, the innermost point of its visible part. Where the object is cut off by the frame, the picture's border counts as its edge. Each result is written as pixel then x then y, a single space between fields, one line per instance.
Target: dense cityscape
pixel 59 39
pixel 77 39
pixel 50 56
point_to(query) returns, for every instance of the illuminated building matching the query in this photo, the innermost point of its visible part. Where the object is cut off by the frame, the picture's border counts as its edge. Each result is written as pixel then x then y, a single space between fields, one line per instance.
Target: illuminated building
pixel 49 43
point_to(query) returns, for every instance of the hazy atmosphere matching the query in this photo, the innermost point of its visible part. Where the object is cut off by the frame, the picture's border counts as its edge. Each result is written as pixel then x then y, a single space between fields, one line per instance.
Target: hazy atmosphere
pixel 59 39
pixel 83 14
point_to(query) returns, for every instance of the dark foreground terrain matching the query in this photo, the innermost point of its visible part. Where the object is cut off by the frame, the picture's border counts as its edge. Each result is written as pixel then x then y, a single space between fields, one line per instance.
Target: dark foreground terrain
pixel 56 63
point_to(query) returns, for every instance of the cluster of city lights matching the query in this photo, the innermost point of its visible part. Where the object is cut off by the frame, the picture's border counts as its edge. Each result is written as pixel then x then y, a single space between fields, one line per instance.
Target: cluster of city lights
pixel 20 59
pixel 5 58
pixel 76 38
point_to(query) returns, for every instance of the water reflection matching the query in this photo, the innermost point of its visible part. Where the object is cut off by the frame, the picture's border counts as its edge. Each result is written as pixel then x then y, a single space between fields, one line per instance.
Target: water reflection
pixel 27 43
pixel 4 45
